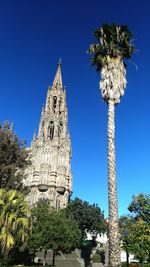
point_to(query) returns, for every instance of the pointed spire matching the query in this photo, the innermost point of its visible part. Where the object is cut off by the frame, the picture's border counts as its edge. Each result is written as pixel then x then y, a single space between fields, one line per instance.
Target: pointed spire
pixel 43 108
pixel 34 135
pixel 58 77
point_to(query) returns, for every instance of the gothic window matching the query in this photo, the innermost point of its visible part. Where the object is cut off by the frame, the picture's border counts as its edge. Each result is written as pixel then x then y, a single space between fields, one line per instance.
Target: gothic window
pixel 51 130
pixel 54 103
pixel 60 128
pixel 60 105
pixel 43 123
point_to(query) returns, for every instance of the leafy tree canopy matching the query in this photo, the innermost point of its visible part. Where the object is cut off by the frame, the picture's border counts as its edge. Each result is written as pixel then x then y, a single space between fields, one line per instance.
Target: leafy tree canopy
pixel 13 158
pixel 113 41
pixel 140 207
pixel 140 240
pixel 135 230
pixel 89 217
pixel 126 223
pixel 53 230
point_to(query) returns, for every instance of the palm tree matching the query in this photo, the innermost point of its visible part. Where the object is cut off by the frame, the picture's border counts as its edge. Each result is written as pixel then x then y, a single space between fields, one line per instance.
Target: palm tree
pixel 14 221
pixel 108 56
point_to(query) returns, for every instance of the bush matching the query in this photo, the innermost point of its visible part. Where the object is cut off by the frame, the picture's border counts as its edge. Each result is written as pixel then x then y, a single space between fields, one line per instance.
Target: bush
pixel 134 264
pixel 2 264
pixel 96 258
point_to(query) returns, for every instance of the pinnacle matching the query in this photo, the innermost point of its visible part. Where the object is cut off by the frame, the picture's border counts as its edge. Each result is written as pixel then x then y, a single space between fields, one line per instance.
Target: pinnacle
pixel 58 76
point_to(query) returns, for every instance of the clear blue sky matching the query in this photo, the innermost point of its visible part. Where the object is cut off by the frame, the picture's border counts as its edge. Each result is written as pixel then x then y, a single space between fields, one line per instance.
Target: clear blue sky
pixel 34 34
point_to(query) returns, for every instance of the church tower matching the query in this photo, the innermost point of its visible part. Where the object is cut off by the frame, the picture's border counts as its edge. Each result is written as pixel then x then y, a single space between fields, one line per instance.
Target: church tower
pixel 49 176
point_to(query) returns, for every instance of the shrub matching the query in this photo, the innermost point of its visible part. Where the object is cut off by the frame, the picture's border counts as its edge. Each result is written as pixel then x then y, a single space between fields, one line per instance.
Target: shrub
pixel 96 258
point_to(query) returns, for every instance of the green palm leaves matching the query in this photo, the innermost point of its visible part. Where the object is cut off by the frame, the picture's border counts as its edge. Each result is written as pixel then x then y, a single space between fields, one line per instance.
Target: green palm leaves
pixel 114 41
pixel 14 220
pixel 114 45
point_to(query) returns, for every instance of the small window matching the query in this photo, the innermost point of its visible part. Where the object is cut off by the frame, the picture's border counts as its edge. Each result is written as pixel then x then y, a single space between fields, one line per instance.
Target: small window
pixel 60 105
pixel 51 130
pixel 54 103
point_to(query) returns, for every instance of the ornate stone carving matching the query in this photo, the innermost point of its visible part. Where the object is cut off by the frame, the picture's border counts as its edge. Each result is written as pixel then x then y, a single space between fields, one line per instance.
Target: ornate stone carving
pixel 49 176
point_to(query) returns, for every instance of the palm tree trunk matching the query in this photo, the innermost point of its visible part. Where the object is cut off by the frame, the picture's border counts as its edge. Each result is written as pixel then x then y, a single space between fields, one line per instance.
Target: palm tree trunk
pixel 114 242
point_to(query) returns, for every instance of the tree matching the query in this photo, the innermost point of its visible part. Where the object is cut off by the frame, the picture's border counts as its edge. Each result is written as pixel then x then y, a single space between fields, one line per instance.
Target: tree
pixel 108 56
pixel 140 207
pixel 135 235
pixel 89 217
pixel 135 229
pixel 13 158
pixel 53 230
pixel 14 221
pixel 126 223
pixel 140 240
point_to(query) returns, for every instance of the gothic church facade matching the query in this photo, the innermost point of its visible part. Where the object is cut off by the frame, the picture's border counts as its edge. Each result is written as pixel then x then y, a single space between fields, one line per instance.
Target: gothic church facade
pixel 49 176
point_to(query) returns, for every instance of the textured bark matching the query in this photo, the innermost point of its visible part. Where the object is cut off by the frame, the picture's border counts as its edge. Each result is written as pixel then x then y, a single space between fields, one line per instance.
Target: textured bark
pixel 114 242
pixel 113 79
pixel 112 86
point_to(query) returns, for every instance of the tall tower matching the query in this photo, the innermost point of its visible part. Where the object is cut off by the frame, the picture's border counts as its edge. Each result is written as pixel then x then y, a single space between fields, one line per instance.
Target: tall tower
pixel 49 176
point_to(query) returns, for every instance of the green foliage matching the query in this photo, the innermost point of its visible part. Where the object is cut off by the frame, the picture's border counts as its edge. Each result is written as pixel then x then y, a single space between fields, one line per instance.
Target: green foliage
pixel 2 263
pixel 135 230
pixel 140 240
pixel 140 207
pixel 13 158
pixel 40 217
pixel 89 217
pixel 112 41
pixel 126 223
pixel 96 258
pixel 53 230
pixel 14 221
pixel 123 264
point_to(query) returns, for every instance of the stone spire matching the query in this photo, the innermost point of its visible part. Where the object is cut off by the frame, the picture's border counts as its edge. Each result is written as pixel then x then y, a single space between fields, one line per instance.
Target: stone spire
pixel 58 77
pixel 49 176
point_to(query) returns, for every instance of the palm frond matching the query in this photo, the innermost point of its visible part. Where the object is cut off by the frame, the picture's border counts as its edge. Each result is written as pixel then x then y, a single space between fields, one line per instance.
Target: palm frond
pixel 113 41
pixel 15 223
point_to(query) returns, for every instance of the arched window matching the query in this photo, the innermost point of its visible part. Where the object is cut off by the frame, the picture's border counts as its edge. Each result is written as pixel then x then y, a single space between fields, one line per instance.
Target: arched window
pixel 54 103
pixel 51 130
pixel 60 105
pixel 60 128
